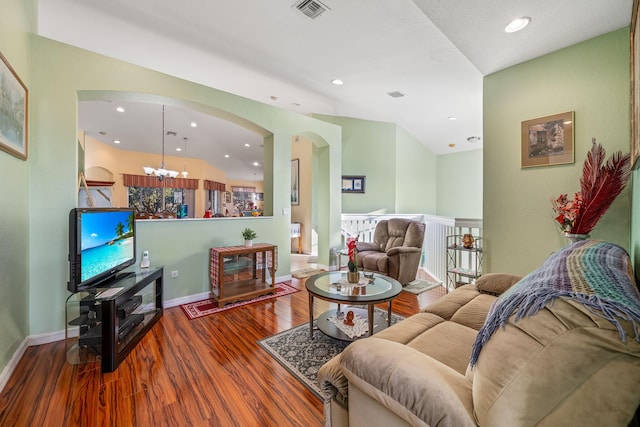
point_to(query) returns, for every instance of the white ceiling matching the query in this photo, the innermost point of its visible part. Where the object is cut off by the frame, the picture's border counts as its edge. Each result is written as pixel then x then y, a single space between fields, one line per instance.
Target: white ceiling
pixel 436 52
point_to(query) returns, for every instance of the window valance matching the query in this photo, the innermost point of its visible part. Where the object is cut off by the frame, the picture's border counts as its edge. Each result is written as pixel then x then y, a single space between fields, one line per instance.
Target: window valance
pixel 153 182
pixel 213 186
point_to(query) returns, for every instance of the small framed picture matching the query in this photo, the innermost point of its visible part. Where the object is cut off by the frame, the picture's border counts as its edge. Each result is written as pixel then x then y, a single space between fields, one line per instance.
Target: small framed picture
pixel 353 184
pixel 548 140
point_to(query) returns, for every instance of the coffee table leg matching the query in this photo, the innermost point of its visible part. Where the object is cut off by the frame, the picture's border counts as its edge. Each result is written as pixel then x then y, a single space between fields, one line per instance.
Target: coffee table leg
pixel 371 319
pixel 389 314
pixel 311 314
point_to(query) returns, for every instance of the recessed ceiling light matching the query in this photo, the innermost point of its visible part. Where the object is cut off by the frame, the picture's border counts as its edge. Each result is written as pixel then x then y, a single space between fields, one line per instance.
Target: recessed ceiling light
pixel 194 125
pixel 226 156
pixel 395 94
pixel 256 164
pixel 120 110
pixel 337 82
pixel 116 141
pixel 247 145
pixel 178 149
pixel 452 145
pixel 517 24
pixel 274 98
pixel 452 118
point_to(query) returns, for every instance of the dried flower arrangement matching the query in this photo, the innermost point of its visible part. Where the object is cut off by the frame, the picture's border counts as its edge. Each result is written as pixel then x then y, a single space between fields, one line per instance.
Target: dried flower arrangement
pixel 600 184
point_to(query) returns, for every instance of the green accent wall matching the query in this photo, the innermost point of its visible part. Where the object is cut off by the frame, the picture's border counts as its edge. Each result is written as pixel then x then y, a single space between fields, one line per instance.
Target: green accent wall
pixel 460 184
pixel 16 21
pixel 590 78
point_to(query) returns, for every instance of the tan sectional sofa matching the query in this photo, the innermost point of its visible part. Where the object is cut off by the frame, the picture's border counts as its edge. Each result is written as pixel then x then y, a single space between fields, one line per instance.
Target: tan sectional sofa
pixel 565 365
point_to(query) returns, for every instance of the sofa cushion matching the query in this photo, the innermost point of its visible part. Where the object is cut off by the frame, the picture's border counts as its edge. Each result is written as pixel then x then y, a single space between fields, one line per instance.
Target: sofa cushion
pixel 447 342
pixel 411 327
pixel 474 313
pixel 375 261
pixel 447 306
pixel 558 365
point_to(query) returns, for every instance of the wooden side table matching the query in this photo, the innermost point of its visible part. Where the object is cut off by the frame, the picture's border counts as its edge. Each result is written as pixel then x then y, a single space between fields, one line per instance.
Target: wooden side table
pixel 242 272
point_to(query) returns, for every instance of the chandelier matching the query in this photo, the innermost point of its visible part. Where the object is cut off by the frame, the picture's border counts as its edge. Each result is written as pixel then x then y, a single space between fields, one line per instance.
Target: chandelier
pixel 184 171
pixel 161 173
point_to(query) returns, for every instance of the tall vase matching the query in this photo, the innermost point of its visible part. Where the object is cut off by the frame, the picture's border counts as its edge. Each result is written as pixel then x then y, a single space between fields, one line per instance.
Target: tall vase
pixel 576 237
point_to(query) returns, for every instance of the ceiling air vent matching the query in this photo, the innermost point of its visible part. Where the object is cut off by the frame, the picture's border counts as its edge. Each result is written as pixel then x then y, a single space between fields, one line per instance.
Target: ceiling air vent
pixel 395 94
pixel 311 8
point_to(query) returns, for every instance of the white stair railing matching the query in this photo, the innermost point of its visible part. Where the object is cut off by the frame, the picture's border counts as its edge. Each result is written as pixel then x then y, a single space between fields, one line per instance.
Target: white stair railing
pixel 434 248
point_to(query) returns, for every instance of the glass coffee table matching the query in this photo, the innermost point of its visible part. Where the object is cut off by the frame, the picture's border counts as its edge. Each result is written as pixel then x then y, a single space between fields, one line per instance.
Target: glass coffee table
pixel 333 286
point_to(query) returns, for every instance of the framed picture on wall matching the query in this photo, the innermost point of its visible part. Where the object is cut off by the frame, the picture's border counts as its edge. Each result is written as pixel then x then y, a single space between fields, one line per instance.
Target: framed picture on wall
pixel 353 183
pixel 295 182
pixel 547 140
pixel 635 85
pixel 14 106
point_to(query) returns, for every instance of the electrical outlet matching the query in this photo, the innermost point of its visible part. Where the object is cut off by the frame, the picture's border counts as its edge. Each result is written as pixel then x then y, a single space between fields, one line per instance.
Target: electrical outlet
pixel 174 273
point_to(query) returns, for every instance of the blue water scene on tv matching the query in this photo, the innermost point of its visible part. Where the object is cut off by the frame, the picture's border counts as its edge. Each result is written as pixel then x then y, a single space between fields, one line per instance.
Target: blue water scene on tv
pixel 106 241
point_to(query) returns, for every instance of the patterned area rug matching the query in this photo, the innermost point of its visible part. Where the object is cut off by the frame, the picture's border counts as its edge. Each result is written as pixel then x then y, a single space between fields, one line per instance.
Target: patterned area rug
pixel 419 286
pixel 305 272
pixel 195 310
pixel 303 356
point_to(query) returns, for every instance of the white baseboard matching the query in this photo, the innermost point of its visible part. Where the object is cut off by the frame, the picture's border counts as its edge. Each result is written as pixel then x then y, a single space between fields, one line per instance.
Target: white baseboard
pixel 13 362
pixel 50 337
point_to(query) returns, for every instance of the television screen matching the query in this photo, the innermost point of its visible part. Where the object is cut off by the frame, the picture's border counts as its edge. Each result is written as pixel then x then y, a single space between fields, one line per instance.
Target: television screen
pixel 101 243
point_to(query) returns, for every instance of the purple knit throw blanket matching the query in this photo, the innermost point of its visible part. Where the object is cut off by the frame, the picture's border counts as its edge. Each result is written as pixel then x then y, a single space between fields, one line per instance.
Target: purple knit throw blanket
pixel 594 273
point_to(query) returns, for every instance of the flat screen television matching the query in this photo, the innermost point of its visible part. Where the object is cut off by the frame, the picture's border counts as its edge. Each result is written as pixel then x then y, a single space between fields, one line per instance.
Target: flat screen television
pixel 102 242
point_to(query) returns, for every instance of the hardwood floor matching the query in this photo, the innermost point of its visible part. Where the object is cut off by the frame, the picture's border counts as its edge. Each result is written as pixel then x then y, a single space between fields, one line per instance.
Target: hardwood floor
pixel 203 372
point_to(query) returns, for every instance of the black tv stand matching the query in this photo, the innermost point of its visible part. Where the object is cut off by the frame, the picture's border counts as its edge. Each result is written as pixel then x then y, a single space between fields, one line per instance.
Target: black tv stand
pixel 107 322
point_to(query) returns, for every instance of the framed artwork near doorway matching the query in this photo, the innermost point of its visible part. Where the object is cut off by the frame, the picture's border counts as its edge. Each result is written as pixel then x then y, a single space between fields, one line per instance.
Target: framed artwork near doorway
pixel 295 182
pixel 353 183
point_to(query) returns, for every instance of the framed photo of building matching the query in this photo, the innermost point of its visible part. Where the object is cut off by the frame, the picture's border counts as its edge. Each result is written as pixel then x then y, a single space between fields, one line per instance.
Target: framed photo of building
pixel 548 140
pixel 353 184
pixel 14 104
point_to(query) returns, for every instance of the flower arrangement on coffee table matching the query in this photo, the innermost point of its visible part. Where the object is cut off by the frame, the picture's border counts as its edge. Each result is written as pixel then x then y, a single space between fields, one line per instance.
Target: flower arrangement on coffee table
pixel 353 275
pixel 600 184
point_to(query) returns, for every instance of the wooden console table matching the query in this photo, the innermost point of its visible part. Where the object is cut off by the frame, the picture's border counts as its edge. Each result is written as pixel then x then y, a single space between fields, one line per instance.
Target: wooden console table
pixel 242 272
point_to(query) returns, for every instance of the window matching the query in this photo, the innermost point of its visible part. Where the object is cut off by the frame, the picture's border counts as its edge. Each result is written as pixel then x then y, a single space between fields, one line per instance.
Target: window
pixel 160 202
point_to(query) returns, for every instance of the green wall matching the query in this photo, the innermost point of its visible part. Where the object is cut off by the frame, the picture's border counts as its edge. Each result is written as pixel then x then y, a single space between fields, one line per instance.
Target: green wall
pixel 400 172
pixel 416 182
pixel 59 72
pixel 460 184
pixel 590 78
pixel 16 21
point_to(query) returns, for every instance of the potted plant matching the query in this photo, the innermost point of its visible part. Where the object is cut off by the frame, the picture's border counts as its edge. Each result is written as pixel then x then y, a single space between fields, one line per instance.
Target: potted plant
pixel 248 235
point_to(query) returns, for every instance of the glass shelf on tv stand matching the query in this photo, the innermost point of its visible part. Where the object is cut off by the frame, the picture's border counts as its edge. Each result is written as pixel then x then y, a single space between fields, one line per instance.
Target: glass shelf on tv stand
pixel 105 323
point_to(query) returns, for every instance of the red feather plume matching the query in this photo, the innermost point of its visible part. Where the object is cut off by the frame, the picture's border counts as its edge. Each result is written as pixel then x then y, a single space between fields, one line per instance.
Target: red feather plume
pixel 600 184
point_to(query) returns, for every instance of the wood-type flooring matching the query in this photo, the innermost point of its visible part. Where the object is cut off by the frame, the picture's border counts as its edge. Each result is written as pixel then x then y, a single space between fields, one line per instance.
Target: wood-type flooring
pixel 204 372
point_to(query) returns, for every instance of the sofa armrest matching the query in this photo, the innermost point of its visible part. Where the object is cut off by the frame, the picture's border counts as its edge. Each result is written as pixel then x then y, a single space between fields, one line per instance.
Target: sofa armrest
pixel 403 250
pixel 496 283
pixel 367 246
pixel 409 383
pixel 332 382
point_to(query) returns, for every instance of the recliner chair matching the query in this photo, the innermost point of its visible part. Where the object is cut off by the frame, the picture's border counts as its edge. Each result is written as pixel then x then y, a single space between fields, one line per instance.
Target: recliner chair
pixel 395 251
